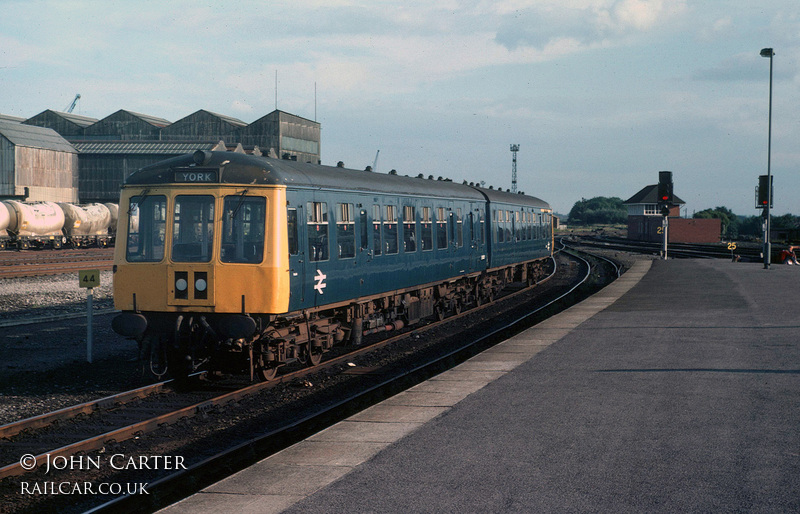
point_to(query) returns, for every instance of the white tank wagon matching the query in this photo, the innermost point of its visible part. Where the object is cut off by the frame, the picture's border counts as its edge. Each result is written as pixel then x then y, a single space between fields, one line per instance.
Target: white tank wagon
pixel 37 224
pixel 5 219
pixel 113 208
pixel 87 224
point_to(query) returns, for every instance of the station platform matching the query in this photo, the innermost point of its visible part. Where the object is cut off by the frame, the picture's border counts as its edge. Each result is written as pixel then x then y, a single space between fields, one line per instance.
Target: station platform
pixel 676 388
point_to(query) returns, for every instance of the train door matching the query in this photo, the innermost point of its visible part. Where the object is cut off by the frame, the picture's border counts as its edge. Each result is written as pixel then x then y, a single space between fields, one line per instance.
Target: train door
pixel 298 254
pixel 469 239
pixel 319 248
pixel 364 246
pixel 475 240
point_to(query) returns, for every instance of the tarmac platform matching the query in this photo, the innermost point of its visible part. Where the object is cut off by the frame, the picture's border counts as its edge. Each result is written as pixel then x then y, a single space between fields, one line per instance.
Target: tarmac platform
pixel 676 388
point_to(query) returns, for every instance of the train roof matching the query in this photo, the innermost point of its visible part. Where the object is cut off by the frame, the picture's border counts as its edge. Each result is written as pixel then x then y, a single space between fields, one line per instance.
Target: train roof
pixel 237 168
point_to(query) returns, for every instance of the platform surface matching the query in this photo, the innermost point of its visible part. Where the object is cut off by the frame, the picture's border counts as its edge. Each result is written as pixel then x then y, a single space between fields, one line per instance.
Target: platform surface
pixel 677 388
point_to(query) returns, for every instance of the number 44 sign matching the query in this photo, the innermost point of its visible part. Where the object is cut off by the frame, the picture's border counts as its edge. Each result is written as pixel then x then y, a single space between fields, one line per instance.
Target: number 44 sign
pixel 89 278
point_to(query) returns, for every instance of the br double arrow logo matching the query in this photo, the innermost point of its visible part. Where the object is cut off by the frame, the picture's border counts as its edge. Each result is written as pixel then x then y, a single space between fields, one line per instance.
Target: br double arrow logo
pixel 320 281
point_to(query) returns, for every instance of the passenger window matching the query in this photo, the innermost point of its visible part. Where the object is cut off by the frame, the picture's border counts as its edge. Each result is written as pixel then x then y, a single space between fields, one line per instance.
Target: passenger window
pixel 426 229
pixel 409 229
pixel 318 231
pixel 509 226
pixel 291 219
pixel 193 228
pixel 243 223
pixel 345 230
pixel 500 224
pixel 376 230
pixel 390 229
pixel 441 228
pixel 147 228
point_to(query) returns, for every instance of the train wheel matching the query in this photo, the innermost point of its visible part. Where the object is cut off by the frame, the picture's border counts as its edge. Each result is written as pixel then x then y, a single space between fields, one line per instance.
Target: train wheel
pixel 266 367
pixel 265 372
pixel 313 356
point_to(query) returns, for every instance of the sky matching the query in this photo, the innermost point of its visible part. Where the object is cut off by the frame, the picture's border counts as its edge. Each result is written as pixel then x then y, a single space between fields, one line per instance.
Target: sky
pixel 600 95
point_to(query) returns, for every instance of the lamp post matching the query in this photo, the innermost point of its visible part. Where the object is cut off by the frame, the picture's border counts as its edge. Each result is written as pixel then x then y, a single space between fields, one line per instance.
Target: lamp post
pixel 767 52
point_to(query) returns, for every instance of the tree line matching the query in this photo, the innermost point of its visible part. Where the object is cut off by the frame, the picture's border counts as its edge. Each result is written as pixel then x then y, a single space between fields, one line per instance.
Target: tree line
pixel 603 210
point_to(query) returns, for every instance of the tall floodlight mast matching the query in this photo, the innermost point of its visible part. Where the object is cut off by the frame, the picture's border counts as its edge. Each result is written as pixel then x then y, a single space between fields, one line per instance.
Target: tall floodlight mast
pixel 514 150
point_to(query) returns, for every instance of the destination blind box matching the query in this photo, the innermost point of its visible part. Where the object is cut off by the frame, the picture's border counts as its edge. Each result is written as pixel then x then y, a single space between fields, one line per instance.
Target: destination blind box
pixel 196 175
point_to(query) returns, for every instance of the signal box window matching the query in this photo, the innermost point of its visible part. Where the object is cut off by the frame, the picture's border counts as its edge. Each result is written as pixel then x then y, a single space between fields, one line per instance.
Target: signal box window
pixel 409 229
pixel 441 228
pixel 193 228
pixel 345 230
pixel 376 230
pixel 318 231
pixel 390 229
pixel 243 221
pixel 147 228
pixel 426 231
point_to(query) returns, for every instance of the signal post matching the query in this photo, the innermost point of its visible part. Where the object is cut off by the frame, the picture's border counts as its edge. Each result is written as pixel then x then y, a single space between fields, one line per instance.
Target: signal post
pixel 665 201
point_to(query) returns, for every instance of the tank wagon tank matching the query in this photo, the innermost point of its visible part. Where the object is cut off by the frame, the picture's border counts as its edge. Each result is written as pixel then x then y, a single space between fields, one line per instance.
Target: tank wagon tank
pixel 234 262
pixel 88 224
pixel 5 218
pixel 36 224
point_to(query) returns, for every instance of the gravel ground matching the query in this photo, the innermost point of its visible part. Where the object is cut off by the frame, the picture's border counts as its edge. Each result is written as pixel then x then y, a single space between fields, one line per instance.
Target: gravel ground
pixel 43 365
pixel 47 296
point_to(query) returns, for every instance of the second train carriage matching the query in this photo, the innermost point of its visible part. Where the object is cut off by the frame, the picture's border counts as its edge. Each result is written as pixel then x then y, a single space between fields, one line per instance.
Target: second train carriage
pixel 230 257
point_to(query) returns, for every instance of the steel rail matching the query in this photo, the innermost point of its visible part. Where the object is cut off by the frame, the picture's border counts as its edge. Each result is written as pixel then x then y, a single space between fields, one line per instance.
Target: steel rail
pixel 47 419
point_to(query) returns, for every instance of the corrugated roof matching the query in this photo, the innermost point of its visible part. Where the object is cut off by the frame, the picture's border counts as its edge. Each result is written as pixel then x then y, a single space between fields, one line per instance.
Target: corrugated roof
pixel 34 137
pixel 77 119
pixel 8 117
pixel 142 147
pixel 649 195
pixel 229 119
pixel 152 120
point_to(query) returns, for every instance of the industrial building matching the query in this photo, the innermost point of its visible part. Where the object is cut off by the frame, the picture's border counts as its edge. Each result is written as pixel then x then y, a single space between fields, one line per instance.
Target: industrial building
pixel 106 151
pixel 645 221
pixel 36 164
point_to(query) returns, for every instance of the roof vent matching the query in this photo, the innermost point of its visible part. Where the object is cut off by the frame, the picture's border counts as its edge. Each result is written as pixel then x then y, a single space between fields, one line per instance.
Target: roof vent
pixel 340 164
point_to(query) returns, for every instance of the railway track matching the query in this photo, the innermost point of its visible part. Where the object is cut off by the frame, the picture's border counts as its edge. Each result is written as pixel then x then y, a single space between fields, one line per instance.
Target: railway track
pixel 40 438
pixel 33 263
pixel 724 250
